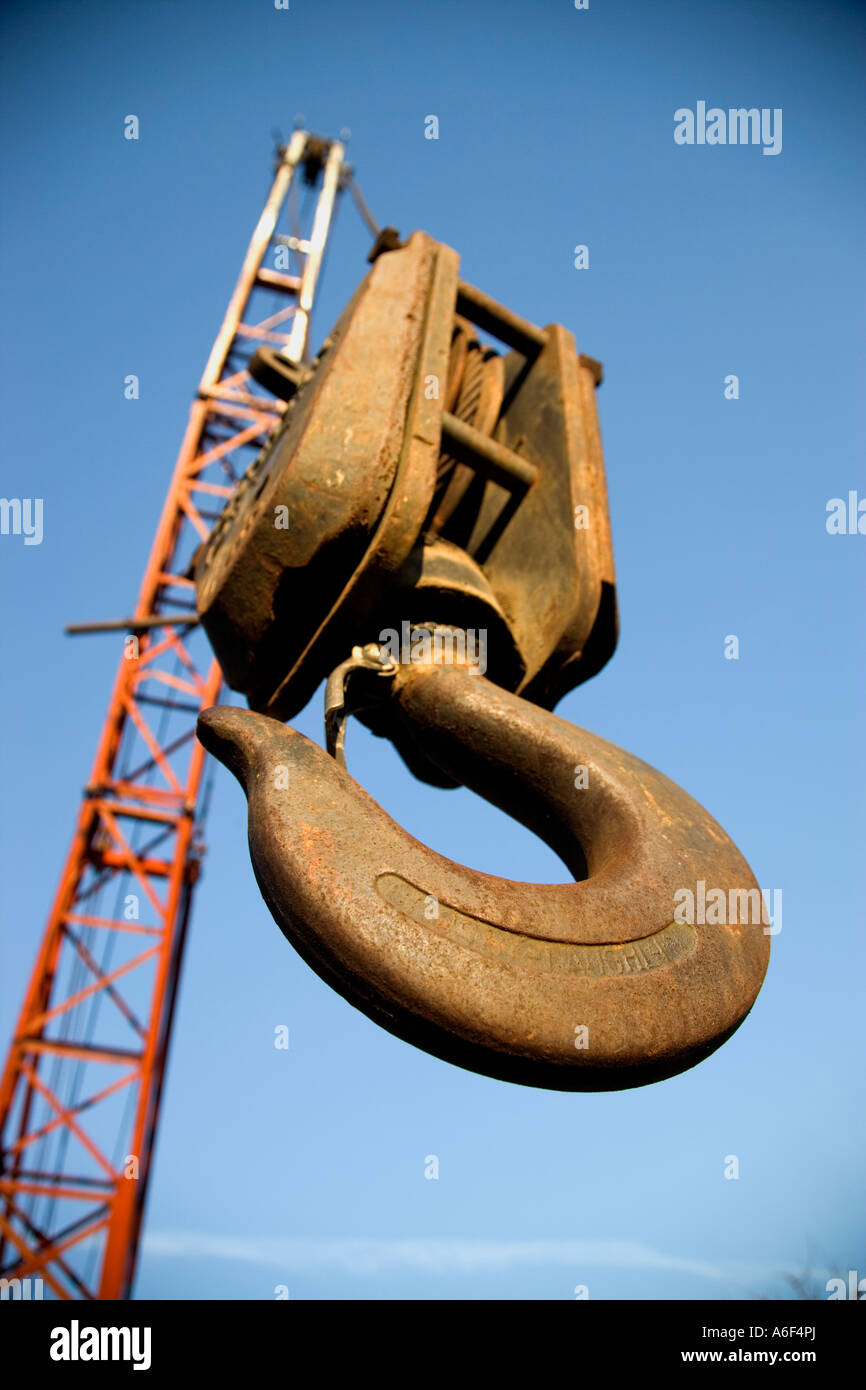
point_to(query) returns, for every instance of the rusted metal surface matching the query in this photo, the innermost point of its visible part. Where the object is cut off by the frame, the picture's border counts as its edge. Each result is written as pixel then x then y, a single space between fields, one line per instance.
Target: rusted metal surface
pixel 351 475
pixel 407 437
pixel 436 485
pixel 497 976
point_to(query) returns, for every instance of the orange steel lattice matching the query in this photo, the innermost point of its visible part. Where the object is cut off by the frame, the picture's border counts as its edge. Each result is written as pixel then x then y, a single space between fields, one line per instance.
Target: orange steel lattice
pixel 80 1092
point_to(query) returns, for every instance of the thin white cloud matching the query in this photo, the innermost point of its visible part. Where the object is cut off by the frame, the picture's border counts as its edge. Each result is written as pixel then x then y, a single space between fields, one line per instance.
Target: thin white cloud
pixel 431 1256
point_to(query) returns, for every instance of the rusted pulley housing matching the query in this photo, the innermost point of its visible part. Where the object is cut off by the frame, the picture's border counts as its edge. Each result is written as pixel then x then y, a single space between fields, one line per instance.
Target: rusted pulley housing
pixel 419 475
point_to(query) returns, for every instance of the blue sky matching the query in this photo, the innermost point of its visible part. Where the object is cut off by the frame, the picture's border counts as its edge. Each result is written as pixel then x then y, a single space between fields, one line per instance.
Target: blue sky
pixel 306 1168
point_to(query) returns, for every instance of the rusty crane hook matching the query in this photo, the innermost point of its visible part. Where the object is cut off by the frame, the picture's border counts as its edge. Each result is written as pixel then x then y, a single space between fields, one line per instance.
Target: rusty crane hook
pixel 590 985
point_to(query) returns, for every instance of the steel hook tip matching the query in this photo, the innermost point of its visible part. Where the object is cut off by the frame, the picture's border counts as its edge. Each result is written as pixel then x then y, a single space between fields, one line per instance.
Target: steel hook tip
pixel 597 984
